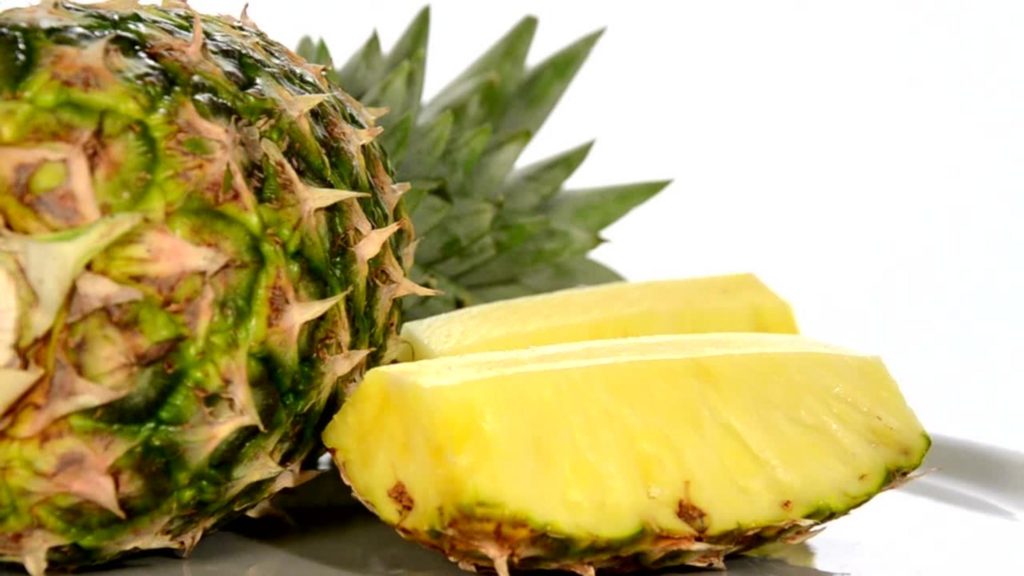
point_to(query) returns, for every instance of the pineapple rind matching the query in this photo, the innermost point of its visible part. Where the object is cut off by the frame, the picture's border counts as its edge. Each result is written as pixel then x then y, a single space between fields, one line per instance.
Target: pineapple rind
pixel 180 371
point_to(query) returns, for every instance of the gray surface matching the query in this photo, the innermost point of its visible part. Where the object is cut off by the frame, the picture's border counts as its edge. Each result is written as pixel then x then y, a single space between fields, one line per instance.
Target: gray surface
pixel 965 516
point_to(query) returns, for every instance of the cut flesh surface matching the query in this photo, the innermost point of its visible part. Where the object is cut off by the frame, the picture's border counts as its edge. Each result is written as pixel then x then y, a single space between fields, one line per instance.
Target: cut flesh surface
pixel 609 447
pixel 737 303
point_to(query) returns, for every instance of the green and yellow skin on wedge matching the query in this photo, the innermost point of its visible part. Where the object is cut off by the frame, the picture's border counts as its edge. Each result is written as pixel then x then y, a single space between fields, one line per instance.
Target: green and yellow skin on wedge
pixel 200 243
pixel 624 454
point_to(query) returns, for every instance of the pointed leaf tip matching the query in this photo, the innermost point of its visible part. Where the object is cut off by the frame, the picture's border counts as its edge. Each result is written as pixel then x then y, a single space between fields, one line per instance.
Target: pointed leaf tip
pixel 531 186
pixel 504 60
pixel 594 209
pixel 306 49
pixel 544 85
pixel 364 69
pixel 413 40
pixel 315 51
pixel 495 165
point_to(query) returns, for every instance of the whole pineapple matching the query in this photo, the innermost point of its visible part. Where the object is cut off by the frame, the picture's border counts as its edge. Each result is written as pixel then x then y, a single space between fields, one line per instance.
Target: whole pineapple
pixel 199 243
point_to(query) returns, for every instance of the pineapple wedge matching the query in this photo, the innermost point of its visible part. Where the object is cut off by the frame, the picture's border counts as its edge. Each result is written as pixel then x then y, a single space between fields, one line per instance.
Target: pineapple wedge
pixel 630 453
pixel 735 303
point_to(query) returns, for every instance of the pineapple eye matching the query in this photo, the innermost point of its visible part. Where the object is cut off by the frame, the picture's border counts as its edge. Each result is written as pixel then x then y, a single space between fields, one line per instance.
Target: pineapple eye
pixel 47 177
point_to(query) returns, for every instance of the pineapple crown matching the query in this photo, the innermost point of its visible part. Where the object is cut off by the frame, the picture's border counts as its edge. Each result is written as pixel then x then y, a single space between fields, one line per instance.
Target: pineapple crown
pixel 488 230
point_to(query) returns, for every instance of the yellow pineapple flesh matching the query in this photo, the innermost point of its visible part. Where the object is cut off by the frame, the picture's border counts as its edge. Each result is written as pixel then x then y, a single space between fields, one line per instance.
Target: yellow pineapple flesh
pixel 735 303
pixel 639 452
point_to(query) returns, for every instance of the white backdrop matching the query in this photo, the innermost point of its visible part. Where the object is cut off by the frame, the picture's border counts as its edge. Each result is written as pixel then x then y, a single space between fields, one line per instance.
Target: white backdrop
pixel 866 159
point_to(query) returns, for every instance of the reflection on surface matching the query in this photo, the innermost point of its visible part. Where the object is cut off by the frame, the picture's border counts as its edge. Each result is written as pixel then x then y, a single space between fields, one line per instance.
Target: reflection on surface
pixel 936 490
pixel 350 542
pixel 793 554
pixel 362 545
pixel 997 474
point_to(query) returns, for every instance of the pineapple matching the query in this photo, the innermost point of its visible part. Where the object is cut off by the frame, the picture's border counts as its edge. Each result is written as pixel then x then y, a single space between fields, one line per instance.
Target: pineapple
pixel 200 242
pixel 624 454
pixel 737 303
pixel 486 231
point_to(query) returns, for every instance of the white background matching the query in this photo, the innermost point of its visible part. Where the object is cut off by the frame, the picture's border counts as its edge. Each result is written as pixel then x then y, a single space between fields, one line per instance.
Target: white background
pixel 866 159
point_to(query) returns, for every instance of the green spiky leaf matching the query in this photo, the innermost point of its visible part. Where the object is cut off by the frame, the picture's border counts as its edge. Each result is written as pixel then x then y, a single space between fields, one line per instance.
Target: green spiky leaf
pixel 462 159
pixel 456 96
pixel 501 239
pixel 595 208
pixel 399 92
pixel 364 69
pixel 410 52
pixel 475 219
pixel 429 212
pixel 316 52
pixel 568 273
pixel 543 87
pixel 543 248
pixel 532 185
pixel 487 229
pixel 495 166
pixel 452 296
pixel 395 91
pixel 505 60
pixel 426 147
pixel 413 41
pixel 397 136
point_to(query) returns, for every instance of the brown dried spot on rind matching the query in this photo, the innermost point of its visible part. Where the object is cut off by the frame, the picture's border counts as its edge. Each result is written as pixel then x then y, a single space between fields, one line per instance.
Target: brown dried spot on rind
pixel 401 497
pixel 710 559
pixel 787 505
pixel 85 69
pixel 692 515
pixel 278 299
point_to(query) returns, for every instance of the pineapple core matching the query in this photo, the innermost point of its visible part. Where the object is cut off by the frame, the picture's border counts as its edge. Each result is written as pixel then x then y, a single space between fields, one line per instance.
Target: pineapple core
pixel 710 442
pixel 738 303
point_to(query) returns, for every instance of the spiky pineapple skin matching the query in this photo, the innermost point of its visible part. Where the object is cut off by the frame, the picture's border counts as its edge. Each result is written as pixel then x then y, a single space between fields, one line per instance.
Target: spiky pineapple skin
pixel 223 279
